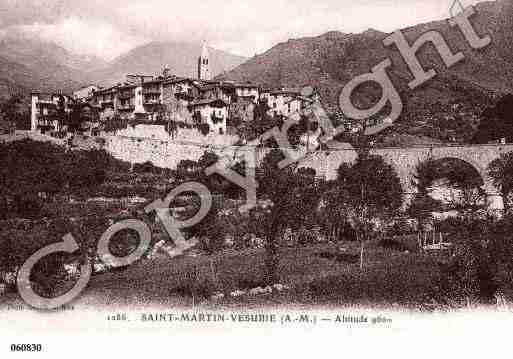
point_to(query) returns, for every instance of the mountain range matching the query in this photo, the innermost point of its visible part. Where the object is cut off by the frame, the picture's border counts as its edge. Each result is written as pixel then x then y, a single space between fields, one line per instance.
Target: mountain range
pixel 328 62
pixel 28 64
pixel 181 58
pixel 331 60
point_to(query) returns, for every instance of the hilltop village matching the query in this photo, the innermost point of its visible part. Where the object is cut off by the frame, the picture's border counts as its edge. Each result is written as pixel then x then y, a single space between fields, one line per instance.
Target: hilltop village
pixel 157 105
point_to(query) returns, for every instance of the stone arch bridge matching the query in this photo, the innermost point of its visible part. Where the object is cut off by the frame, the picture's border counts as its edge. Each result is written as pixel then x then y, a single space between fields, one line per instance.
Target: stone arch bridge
pixel 405 160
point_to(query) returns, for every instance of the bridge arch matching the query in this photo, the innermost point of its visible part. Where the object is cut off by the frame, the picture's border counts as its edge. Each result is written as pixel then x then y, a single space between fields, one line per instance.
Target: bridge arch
pixel 480 167
pixel 405 161
pixel 456 171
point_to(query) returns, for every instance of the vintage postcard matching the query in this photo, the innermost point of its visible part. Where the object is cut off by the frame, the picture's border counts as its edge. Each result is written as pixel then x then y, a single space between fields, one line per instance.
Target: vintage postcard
pixel 256 177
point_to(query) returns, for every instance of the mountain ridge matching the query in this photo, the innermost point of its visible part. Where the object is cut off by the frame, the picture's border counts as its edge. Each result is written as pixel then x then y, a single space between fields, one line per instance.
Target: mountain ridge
pixel 29 64
pixel 329 61
pixel 150 58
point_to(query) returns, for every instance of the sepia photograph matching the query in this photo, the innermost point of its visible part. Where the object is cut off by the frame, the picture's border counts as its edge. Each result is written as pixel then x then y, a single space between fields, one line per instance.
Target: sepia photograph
pixel 314 169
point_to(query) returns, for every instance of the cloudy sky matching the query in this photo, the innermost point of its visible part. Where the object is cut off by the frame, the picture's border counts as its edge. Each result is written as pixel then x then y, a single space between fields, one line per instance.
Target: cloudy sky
pixel 107 28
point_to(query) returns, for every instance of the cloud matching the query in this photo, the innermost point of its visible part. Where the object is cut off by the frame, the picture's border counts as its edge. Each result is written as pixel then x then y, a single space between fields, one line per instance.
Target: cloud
pixel 80 37
pixel 108 28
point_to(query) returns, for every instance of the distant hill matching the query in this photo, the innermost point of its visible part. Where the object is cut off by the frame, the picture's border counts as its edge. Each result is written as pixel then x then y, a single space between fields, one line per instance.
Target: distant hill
pixel 331 60
pixel 14 78
pixel 32 64
pixel 150 59
pixel 28 64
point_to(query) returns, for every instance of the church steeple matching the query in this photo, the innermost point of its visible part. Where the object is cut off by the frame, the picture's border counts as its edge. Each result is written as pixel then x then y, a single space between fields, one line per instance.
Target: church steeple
pixel 204 64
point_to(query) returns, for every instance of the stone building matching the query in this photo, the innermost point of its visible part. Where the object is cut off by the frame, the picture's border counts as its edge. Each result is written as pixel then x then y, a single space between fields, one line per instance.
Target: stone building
pixel 283 102
pixel 85 93
pixel 159 99
pixel 241 111
pixel 212 112
pixel 48 111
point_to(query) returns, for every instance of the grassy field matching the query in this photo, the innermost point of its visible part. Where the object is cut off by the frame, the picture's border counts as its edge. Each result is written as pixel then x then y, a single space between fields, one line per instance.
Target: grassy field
pixel 316 275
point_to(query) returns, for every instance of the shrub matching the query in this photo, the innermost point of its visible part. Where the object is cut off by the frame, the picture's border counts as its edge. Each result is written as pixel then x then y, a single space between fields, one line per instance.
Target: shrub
pixel 26 206
pixel 100 140
pixel 146 167
pixel 394 244
pixel 48 275
pixel 481 262
pixel 52 171
pixel 194 285
pixel 340 257
pixel 408 281
pixel 469 275
pixel 306 237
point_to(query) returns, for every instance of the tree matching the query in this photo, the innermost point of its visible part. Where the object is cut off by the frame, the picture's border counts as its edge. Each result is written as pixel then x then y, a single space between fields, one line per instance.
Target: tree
pixel 82 116
pixel 31 171
pixel 262 122
pixel 363 194
pixel 457 174
pixel 260 111
pixel 187 170
pixel 28 168
pixel 115 123
pixel 422 205
pixel 209 231
pixel 59 113
pixel 501 172
pixel 289 198
pixel 497 122
pixel 14 111
pixel 421 208
pixel 215 182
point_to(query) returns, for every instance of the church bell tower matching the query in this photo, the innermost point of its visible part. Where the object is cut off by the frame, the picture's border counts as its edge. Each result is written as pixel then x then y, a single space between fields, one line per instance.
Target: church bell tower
pixel 204 64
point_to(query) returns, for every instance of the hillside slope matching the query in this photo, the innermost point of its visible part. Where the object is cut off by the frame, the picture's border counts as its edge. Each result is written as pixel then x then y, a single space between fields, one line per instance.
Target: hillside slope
pixel 331 60
pixel 40 65
pixel 150 59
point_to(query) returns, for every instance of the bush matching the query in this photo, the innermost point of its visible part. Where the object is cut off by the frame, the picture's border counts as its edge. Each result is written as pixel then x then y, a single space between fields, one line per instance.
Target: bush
pixel 26 206
pixel 51 171
pixel 18 244
pixel 481 264
pixel 469 275
pixel 192 284
pixel 306 237
pixel 147 167
pixel 101 141
pixel 401 226
pixel 408 281
pixel 49 275
pixel 394 244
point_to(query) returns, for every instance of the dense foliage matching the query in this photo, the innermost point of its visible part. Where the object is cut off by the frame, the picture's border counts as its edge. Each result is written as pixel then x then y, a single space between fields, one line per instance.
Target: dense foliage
pixel 363 194
pixel 14 110
pixel 497 122
pixel 501 172
pixel 31 172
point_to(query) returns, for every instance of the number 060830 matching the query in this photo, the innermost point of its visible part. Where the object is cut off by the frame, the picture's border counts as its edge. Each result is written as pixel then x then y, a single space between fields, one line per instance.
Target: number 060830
pixel 26 347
